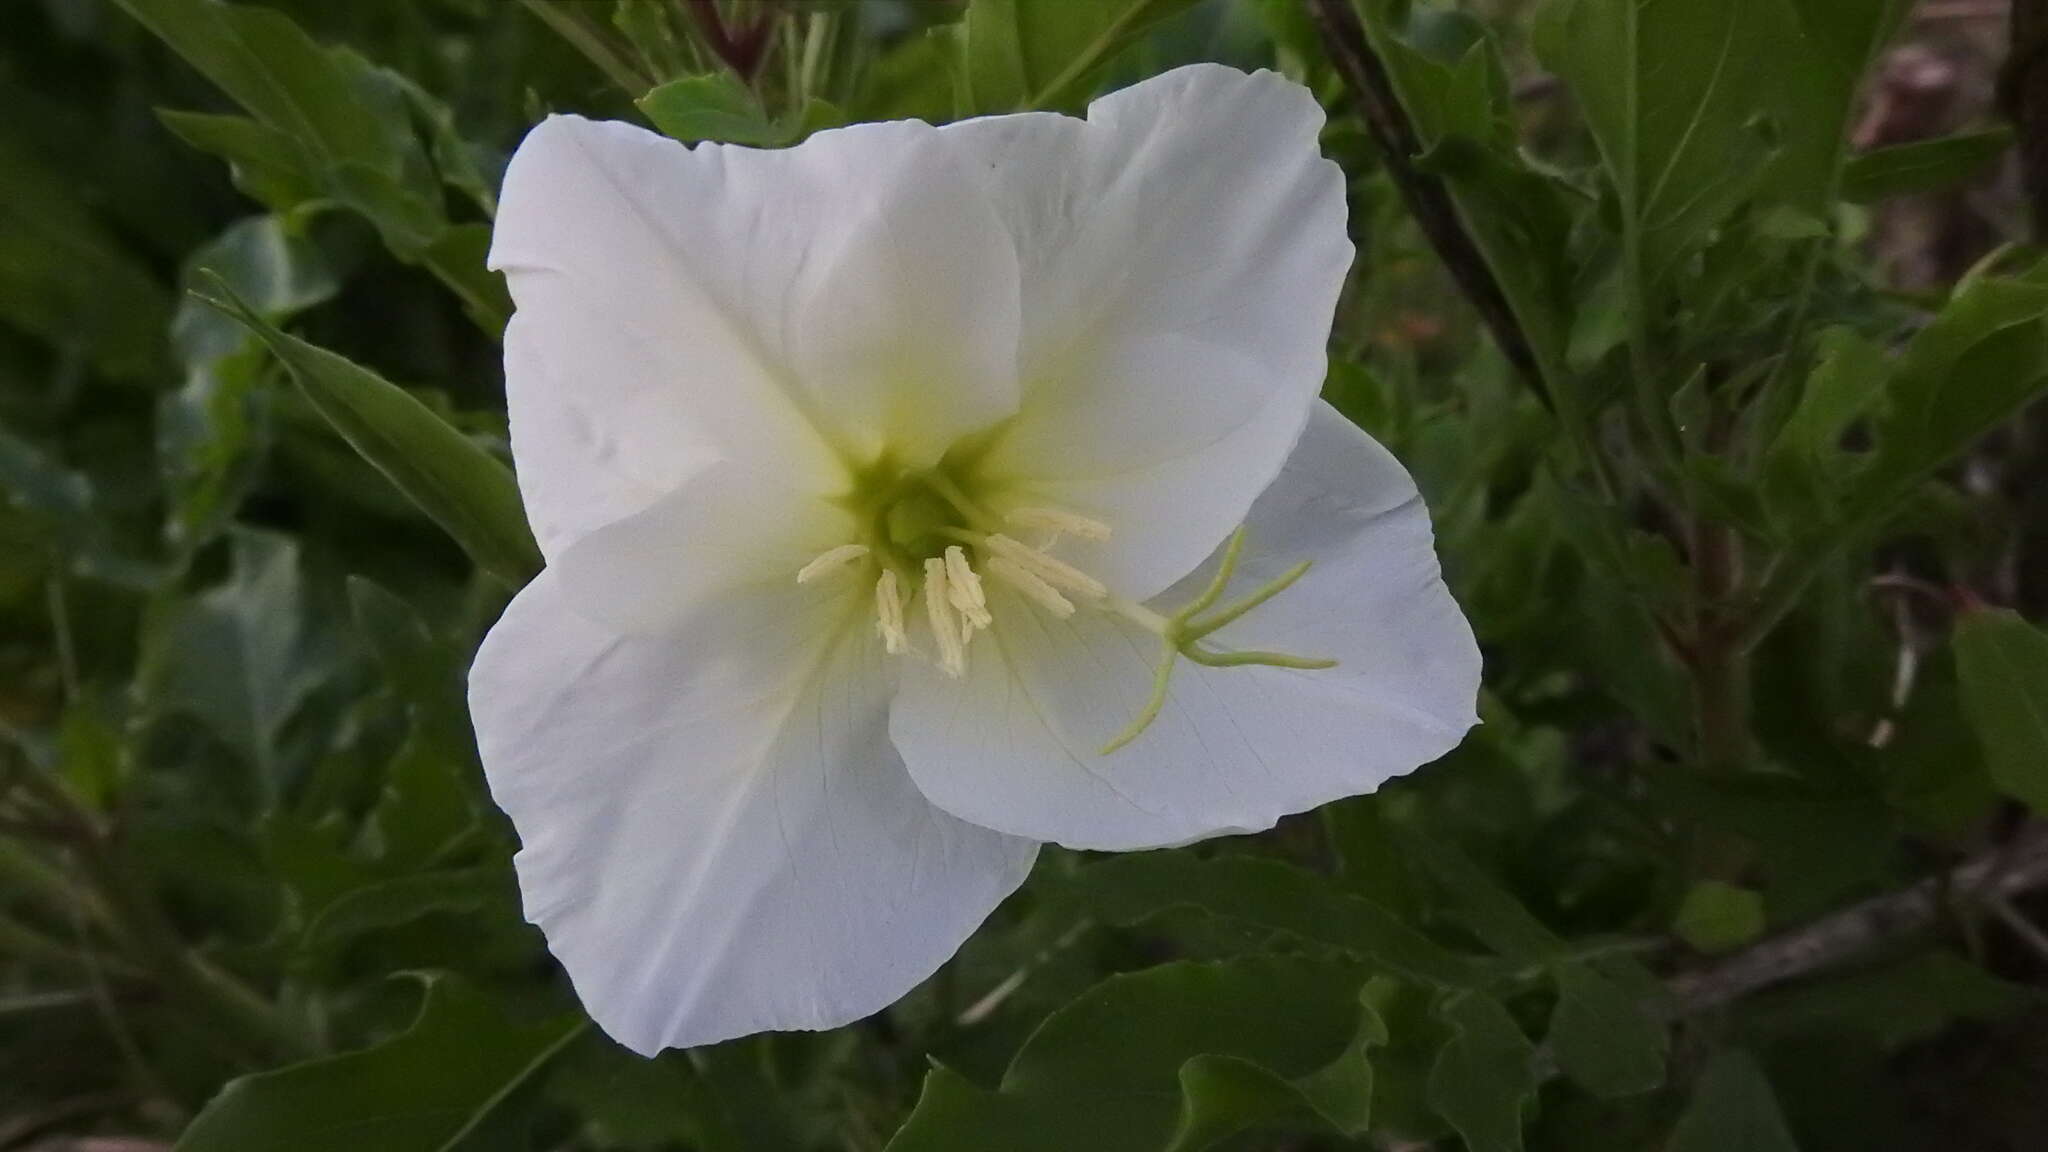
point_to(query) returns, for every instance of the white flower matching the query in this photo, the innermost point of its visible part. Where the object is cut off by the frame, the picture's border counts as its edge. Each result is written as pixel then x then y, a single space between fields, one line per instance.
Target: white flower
pixel 881 481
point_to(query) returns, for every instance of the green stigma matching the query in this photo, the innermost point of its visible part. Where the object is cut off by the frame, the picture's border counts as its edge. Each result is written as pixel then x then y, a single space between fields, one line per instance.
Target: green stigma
pixel 1181 634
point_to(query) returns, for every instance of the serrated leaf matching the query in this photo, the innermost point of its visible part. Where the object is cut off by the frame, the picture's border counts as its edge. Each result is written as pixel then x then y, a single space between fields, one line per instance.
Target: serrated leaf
pixel 423 1090
pixel 1483 1074
pixel 2002 663
pixel 1732 1110
pixel 456 483
pixel 1104 1074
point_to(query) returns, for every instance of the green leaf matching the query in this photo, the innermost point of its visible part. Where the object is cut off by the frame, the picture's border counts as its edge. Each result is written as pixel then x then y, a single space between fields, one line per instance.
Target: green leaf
pixel 1106 1073
pixel 1732 1110
pixel 1044 53
pixel 1490 911
pixel 1450 78
pixel 713 107
pixel 1889 1005
pixel 428 805
pixel 1604 1038
pixel 1981 359
pixel 66 278
pixel 1818 56
pixel 237 657
pixel 91 752
pixel 1224 1095
pixel 1668 88
pixel 1718 917
pixel 326 125
pixel 460 486
pixel 1484 1074
pixel 265 163
pixel 1269 893
pixel 387 903
pixel 34 483
pixel 212 431
pixel 1805 463
pixel 424 1090
pixel 1922 166
pixel 2002 663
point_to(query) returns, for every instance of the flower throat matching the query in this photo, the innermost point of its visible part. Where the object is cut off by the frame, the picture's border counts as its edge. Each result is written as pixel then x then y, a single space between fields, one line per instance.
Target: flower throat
pixel 926 537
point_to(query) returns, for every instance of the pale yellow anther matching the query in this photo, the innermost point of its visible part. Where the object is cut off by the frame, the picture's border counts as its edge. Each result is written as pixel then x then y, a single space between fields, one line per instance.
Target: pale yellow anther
pixel 889 614
pixel 1058 521
pixel 947 625
pixel 1038 591
pixel 963 591
pixel 831 562
pixel 1057 573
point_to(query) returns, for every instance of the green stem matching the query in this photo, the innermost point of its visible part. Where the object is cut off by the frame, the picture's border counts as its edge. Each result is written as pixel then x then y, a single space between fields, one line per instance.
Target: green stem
pixel 135 916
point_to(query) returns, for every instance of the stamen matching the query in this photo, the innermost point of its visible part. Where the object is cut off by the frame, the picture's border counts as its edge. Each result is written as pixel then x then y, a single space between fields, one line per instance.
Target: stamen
pixel 831 562
pixel 889 614
pixel 946 625
pixel 963 591
pixel 1038 591
pixel 1058 521
pixel 1053 572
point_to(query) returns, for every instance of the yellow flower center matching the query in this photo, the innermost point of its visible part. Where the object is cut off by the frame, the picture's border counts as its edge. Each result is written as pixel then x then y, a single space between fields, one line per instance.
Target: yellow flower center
pixel 932 536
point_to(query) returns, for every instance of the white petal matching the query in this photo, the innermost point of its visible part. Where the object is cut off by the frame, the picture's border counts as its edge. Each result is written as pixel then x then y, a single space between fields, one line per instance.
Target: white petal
pixel 1182 251
pixel 1016 746
pixel 796 306
pixel 717 836
pixel 596 439
pixel 729 528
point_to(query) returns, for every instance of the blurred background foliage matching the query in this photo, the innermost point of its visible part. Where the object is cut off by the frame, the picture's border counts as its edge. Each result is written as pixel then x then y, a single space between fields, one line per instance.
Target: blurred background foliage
pixel 1708 327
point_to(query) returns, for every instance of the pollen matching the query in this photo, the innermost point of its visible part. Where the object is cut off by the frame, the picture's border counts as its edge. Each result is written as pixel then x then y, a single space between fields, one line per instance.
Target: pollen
pixel 831 562
pixel 889 614
pixel 1057 573
pixel 1034 589
pixel 963 591
pixel 949 627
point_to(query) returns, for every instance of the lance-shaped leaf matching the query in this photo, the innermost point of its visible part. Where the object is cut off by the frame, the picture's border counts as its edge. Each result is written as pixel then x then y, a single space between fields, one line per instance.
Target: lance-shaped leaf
pixel 467 492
